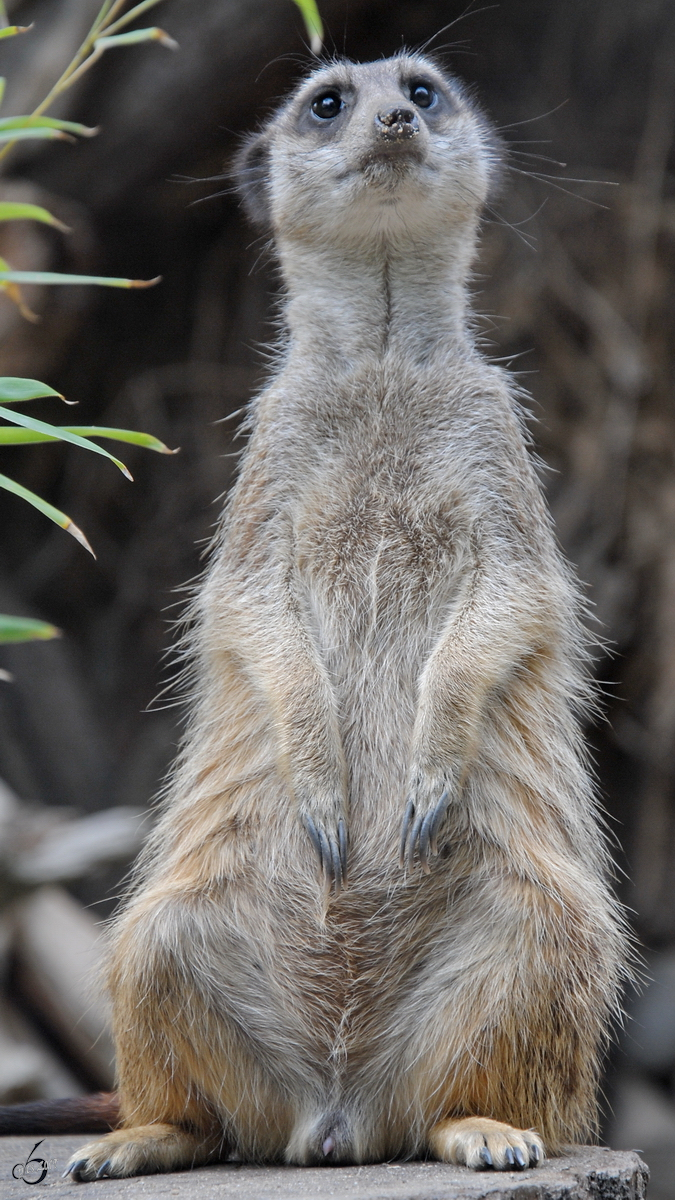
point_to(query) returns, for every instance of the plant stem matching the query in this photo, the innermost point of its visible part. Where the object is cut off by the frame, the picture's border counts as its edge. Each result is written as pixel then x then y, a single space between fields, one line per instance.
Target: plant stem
pixel 86 56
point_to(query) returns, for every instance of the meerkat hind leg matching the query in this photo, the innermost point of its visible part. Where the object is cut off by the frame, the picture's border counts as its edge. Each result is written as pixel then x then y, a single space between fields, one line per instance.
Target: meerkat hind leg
pixel 479 1142
pixel 143 1150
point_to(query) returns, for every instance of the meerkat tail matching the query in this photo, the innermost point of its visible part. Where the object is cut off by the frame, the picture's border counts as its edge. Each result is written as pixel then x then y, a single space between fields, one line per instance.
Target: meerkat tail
pixel 97 1113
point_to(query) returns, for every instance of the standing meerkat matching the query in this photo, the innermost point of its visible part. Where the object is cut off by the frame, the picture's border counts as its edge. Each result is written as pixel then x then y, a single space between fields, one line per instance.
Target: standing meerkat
pixel 373 919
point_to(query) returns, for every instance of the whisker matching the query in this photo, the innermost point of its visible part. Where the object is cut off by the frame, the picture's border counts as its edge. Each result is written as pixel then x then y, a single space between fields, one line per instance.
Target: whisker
pixel 303 60
pixel 569 178
pixel 540 157
pixel 529 120
pixel 529 242
pixel 196 178
pixel 469 11
pixel 228 191
pixel 549 181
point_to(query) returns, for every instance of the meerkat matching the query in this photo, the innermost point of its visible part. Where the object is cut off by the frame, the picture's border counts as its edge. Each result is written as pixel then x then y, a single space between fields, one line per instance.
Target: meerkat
pixel 373 920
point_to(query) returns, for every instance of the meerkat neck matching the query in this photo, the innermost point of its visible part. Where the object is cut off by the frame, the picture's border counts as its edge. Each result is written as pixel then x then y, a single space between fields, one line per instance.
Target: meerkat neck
pixel 351 306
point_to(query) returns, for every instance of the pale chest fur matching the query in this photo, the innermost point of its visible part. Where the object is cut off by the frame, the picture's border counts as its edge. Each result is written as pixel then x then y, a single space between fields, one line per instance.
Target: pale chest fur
pixel 387 490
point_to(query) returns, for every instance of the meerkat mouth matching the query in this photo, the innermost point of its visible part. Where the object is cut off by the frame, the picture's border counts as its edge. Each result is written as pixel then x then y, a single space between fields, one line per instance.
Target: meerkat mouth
pixel 388 163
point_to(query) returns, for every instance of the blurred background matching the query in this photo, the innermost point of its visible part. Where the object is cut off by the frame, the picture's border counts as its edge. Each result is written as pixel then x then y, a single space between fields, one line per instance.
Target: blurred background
pixel 575 288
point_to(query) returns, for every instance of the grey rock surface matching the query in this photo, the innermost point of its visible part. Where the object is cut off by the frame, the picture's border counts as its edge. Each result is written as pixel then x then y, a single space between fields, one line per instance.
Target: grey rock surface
pixel 586 1172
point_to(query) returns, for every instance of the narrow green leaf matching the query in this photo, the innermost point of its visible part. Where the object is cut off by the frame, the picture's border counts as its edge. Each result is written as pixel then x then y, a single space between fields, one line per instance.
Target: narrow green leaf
pixel 25 437
pixel 37 131
pixel 15 391
pixel 313 23
pixel 29 212
pixel 54 277
pixel 54 514
pixel 47 123
pixel 132 436
pixel 131 15
pixel 25 629
pixel 12 30
pixel 3 84
pixel 9 436
pixel 132 39
pixel 14 293
pixel 61 435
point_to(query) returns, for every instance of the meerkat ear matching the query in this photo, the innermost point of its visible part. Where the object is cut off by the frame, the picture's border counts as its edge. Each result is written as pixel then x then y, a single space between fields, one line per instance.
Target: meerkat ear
pixel 251 171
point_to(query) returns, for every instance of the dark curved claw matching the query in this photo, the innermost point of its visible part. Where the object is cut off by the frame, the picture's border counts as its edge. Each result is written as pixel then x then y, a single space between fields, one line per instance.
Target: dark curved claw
pixel 508 1155
pixel 313 833
pixel 407 818
pixel 326 856
pixel 335 864
pixel 331 851
pixel 436 822
pixel 414 835
pixel 486 1157
pixel 342 838
pixel 519 1157
pixel 535 1154
pixel 421 833
pixel 103 1170
pixel 74 1170
pixel 425 834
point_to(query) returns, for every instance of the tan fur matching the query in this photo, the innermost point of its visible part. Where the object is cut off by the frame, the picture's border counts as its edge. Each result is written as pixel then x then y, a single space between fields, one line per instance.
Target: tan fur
pixel 386 617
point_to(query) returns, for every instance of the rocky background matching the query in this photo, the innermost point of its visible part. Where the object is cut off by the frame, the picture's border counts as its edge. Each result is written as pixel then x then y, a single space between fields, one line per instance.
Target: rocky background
pixel 574 288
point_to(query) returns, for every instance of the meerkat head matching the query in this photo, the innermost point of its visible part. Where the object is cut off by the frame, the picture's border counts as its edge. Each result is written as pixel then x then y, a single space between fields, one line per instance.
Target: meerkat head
pixel 365 151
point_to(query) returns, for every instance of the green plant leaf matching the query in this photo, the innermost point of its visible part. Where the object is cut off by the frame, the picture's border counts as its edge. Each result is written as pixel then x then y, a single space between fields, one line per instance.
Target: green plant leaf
pixel 131 15
pixel 26 437
pixel 47 123
pixel 37 131
pixel 54 277
pixel 43 506
pixel 10 211
pixel 25 629
pixel 54 431
pixel 12 30
pixel 14 293
pixel 132 39
pixel 313 23
pixel 15 391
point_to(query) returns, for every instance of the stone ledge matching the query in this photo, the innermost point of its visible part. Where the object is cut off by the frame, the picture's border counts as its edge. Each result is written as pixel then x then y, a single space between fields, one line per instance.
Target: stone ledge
pixel 585 1173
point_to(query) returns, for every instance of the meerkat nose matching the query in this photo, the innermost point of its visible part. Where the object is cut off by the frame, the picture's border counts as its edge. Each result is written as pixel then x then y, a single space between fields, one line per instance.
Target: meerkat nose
pixel 397 123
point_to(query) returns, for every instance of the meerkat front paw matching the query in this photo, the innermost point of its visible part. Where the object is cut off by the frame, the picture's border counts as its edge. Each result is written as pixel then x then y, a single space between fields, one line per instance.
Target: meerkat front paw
pixel 479 1142
pixel 331 848
pixel 142 1150
pixel 429 799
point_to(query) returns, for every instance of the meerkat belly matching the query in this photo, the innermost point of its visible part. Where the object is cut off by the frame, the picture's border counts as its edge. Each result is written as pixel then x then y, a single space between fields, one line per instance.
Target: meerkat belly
pixel 381 577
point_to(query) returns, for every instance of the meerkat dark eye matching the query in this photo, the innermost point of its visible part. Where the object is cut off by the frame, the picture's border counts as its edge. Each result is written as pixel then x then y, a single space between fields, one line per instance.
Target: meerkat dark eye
pixel 327 105
pixel 422 94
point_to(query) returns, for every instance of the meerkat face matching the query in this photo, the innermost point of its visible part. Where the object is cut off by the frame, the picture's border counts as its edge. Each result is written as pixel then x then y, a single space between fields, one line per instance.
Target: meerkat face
pixel 386 149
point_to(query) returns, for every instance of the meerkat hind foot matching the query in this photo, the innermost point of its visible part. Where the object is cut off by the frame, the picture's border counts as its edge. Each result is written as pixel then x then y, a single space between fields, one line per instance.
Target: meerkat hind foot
pixel 479 1142
pixel 141 1150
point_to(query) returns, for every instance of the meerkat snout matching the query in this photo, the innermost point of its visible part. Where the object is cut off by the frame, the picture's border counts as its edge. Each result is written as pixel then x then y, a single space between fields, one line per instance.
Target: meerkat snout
pixel 397 124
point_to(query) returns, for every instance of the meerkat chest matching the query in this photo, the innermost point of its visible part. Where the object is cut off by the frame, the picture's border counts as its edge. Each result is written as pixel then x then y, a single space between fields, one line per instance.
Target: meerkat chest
pixel 380 547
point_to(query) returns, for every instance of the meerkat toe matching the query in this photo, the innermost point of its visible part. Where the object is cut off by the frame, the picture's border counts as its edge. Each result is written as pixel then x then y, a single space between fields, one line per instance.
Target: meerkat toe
pixel 420 829
pixel 331 850
pixel 478 1142
pixel 143 1150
